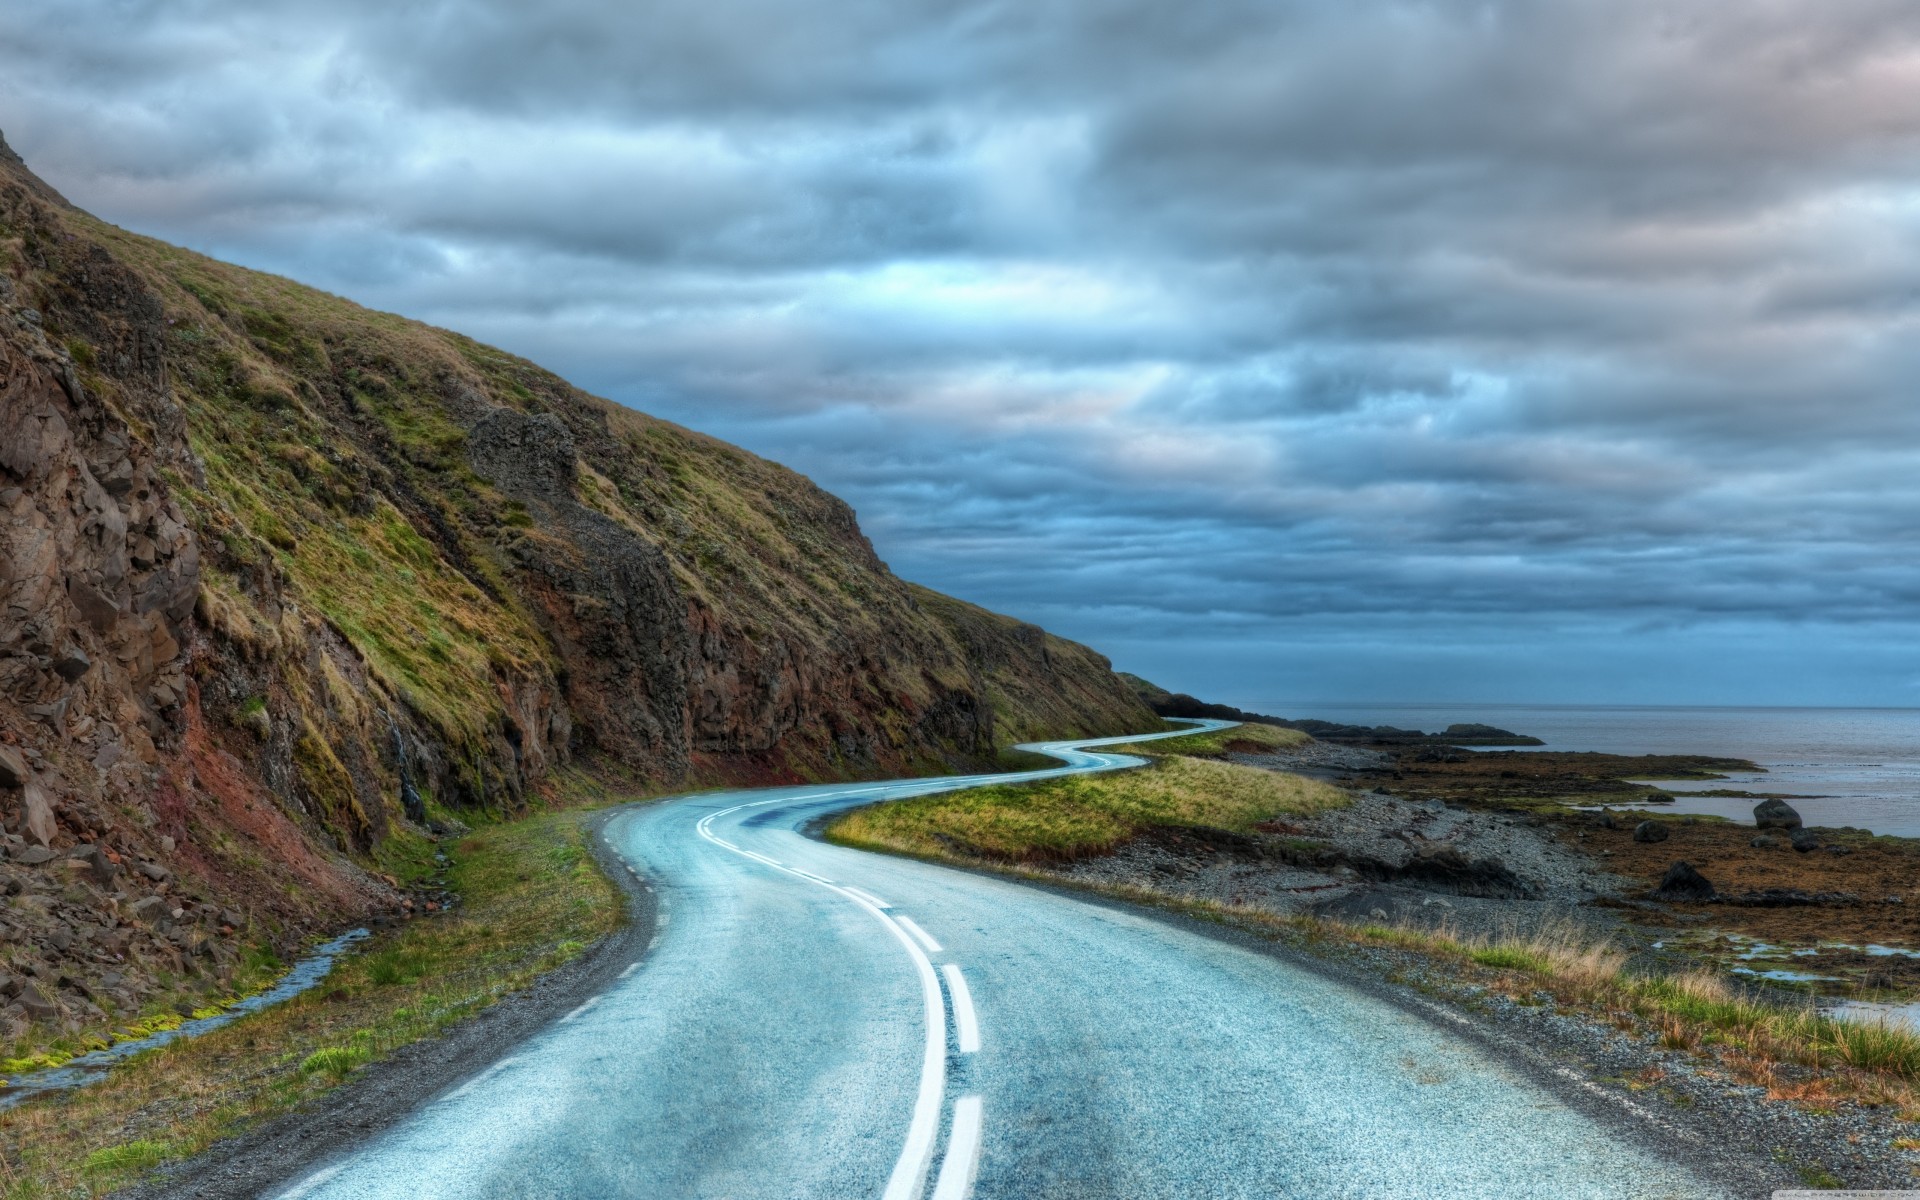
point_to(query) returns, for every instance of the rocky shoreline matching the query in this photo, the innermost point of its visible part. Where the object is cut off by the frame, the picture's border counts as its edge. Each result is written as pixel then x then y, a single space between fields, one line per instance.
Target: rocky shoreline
pixel 1508 853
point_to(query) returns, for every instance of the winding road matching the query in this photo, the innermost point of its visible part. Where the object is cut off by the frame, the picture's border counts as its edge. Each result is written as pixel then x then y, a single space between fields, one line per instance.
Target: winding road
pixel 813 1021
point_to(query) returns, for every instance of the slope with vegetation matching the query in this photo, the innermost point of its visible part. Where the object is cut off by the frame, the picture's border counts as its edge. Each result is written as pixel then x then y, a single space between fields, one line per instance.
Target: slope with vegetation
pixel 283 582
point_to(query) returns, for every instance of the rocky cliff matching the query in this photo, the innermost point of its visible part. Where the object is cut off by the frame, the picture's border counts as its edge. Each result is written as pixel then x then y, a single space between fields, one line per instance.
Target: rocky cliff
pixel 281 579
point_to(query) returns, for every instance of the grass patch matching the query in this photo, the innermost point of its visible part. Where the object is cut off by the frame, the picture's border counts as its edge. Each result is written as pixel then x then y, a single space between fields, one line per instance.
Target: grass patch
pixel 337 1061
pixel 532 899
pixel 1246 739
pixel 1078 815
pixel 127 1157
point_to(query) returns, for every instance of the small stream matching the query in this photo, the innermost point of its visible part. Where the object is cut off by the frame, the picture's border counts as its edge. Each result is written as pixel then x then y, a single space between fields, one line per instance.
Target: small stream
pixel 92 1066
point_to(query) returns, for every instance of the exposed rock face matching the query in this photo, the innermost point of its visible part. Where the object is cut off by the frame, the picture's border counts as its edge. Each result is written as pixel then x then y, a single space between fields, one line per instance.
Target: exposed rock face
pixel 1651 831
pixel 607 596
pixel 277 573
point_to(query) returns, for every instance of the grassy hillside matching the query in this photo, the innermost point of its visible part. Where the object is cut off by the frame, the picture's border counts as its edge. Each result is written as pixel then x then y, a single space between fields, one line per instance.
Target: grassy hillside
pixel 284 582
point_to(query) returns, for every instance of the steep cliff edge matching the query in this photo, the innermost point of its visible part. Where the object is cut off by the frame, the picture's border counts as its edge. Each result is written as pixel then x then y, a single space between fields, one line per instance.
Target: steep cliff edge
pixel 279 574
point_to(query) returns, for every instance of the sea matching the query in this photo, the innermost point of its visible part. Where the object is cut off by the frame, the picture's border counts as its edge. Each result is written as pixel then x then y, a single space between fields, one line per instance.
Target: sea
pixel 1840 767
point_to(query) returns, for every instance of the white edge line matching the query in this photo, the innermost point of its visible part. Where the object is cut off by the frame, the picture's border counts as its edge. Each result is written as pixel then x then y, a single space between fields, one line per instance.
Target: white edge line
pixel 583 1008
pixel 966 1027
pixel 481 1078
pixel 311 1182
pixel 869 897
pixel 962 1163
pixel 910 1173
pixel 631 968
pixel 919 935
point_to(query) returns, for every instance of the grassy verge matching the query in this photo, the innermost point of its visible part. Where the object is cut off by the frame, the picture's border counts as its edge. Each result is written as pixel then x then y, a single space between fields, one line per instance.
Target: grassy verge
pixel 1249 739
pixel 532 899
pixel 1079 815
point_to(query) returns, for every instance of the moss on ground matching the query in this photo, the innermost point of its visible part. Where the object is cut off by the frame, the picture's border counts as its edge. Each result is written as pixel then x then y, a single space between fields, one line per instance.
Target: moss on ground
pixel 532 899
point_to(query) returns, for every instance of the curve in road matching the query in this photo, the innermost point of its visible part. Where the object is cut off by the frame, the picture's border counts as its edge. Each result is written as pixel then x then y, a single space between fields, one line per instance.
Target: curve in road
pixel 816 1021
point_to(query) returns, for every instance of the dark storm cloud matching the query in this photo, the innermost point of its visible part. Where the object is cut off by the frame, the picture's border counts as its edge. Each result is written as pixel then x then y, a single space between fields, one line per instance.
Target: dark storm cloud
pixel 1549 329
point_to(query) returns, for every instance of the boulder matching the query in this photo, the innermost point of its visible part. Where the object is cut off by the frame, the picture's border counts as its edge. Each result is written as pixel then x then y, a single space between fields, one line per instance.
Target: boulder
pixel 32 856
pixel 13 768
pixel 1765 841
pixel 1805 840
pixel 39 810
pixel 1775 814
pixel 1682 882
pixel 72 663
pixel 1651 831
pixel 38 1007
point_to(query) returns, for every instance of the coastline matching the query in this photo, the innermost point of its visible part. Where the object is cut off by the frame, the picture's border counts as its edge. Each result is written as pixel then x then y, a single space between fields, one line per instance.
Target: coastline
pixel 1467 876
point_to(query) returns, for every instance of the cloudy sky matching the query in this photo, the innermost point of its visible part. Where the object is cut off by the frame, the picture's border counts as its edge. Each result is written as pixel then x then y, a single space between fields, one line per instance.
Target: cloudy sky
pixel 1559 352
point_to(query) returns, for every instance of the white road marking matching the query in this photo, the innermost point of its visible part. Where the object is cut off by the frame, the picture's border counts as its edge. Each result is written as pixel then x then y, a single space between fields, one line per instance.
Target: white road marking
pixel 962 1162
pixel 631 968
pixel 909 1178
pixel 966 1028
pixel 482 1077
pixel 919 935
pixel 576 1012
pixel 311 1182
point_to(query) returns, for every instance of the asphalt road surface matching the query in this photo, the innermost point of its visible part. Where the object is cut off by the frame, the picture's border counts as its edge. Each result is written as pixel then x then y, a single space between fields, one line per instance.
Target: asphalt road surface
pixel 819 1022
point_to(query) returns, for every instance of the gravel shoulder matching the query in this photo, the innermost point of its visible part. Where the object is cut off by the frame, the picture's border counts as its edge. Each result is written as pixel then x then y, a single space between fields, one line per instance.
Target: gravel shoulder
pixel 386 1092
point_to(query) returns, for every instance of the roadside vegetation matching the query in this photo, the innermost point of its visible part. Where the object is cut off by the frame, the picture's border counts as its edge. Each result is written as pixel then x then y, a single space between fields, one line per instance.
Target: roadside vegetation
pixel 1794 1052
pixel 1244 739
pixel 532 898
pixel 1075 816
pixel 1753 1040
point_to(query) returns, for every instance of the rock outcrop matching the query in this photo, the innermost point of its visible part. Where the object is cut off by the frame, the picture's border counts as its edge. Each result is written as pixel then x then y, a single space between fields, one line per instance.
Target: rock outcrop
pixel 278 576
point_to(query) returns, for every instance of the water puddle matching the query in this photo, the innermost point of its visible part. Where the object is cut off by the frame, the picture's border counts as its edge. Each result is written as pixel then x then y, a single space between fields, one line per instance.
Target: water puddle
pixel 92 1066
pixel 1784 976
pixel 1875 1012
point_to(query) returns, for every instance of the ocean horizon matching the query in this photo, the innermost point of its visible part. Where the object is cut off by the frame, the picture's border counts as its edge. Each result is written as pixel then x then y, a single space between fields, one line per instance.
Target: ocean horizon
pixel 1840 766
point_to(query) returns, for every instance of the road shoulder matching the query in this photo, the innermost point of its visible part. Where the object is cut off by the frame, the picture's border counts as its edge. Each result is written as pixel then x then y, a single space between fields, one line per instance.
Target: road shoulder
pixel 280 1152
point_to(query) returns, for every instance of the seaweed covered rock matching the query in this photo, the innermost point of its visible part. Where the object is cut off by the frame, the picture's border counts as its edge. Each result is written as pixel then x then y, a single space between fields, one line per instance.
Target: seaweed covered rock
pixel 1682 882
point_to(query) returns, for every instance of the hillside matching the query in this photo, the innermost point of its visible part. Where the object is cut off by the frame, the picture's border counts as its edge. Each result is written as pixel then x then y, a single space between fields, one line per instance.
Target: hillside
pixel 282 578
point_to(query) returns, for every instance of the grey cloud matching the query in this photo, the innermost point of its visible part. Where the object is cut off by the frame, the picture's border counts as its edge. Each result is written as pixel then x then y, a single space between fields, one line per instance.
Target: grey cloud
pixel 1514 326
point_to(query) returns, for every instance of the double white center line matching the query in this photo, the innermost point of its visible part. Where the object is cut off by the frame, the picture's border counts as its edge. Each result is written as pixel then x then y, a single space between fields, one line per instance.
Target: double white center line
pixel 957 1168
